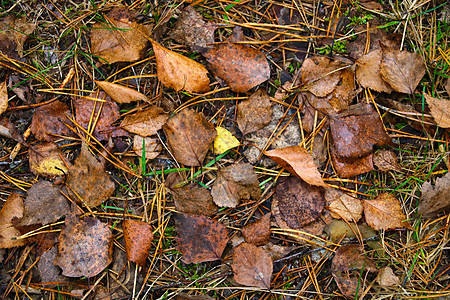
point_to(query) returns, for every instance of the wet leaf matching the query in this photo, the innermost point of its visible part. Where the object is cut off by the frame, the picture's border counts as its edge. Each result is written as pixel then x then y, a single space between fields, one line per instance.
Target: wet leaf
pixel 368 72
pixel 88 180
pixel 84 247
pixel 47 269
pixel 13 34
pixel 195 200
pixel 258 233
pixel 153 146
pixel 386 160
pixel 298 162
pixel 122 38
pixel 346 169
pixel 254 113
pixel 48 122
pixel 200 238
pixel 145 122
pixel 189 136
pixel 440 110
pixel 13 208
pixel 47 160
pixel 3 97
pixel 7 129
pixel 252 266
pixel 277 252
pixel 386 277
pixel 234 183
pixel 180 72
pixel 120 93
pixel 343 206
pixel 138 240
pixel 384 212
pixel 435 199
pixel 224 141
pixel 240 66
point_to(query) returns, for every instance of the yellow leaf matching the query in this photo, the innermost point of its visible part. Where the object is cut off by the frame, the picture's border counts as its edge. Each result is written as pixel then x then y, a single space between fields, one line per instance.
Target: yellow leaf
pixel 224 141
pixel 3 97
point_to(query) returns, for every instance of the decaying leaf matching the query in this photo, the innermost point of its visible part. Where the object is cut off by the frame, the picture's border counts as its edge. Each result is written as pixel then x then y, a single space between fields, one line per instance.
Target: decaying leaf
pixel 13 208
pixel 346 169
pixel 189 136
pixel 122 38
pixel 120 93
pixel 200 238
pixel 252 266
pixel 384 212
pixel 84 247
pixel 299 162
pixel 180 72
pixel 138 237
pixel 254 113
pixel 3 97
pixel 277 252
pixel 224 141
pixel 343 206
pixel 440 110
pixel 153 146
pixel 258 233
pixel 88 182
pixel 47 160
pixel 435 199
pixel 14 32
pixel 48 121
pixel 194 200
pixel 386 160
pixel 240 66
pixel 386 277
pixel 234 183
pixel 47 269
pixel 368 72
pixel 145 122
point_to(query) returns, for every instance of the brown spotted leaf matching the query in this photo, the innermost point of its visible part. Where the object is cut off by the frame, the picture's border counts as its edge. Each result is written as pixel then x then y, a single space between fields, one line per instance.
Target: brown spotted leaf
pixel 368 72
pixel 343 206
pixel 254 113
pixel 200 238
pixel 138 237
pixel 386 160
pixel 435 199
pixel 120 93
pixel 3 97
pixel 48 160
pixel 258 233
pixel 440 110
pixel 13 208
pixel 384 212
pixel 14 32
pixel 193 199
pixel 48 122
pixel 252 266
pixel 189 136
pixel 145 122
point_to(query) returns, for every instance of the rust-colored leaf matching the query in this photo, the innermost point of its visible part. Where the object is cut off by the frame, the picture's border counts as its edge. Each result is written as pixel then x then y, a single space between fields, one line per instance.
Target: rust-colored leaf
pixel 384 212
pixel 252 266
pixel 48 121
pixel 13 208
pixel 346 168
pixel 440 110
pixel 258 233
pixel 145 122
pixel 193 199
pixel 120 93
pixel 138 237
pixel 180 72
pixel 47 160
pixel 84 247
pixel 3 97
pixel 343 206
pixel 368 72
pixel 200 238
pixel 153 146
pixel 189 136
pixel 299 162
pixel 386 160
pixel 240 66
pixel 254 113
pixel 435 199
pixel 14 32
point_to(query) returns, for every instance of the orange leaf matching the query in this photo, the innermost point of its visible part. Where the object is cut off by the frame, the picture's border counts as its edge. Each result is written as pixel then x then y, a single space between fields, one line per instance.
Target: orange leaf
pixel 138 240
pixel 120 93
pixel 384 212
pixel 13 208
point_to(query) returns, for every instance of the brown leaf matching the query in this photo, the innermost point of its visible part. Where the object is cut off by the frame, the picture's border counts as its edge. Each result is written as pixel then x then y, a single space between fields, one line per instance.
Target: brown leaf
pixel 13 34
pixel 138 240
pixel 240 66
pixel 234 183
pixel 120 93
pixel 384 212
pixel 89 180
pixel 343 206
pixel 298 162
pixel 386 277
pixel 189 136
pixel 254 113
pixel 183 296
pixel 386 160
pixel 346 169
pixel 435 199
pixel 440 110
pixel 180 72
pixel 252 266
pixel 122 38
pixel 153 146
pixel 145 122
pixel 200 238
pixel 7 129
pixel 47 269
pixel 48 122
pixel 13 208
pixel 402 70
pixel 48 160
pixel 368 72
pixel 194 200
pixel 3 97
pixel 258 233
pixel 296 203
pixel 447 86
pixel 277 252
pixel 84 247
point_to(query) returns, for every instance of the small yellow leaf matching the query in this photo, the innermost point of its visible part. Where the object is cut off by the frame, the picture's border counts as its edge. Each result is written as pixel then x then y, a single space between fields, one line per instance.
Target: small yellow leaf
pixel 224 141
pixel 3 97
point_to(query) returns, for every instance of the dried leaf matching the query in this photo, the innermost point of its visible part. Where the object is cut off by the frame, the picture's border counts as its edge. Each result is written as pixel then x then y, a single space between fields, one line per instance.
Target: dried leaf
pixel 189 136
pixel 120 93
pixel 153 146
pixel 7 129
pixel 13 208
pixel 122 38
pixel 254 113
pixel 368 72
pixel 343 206
pixel 194 200
pixel 440 110
pixel 346 169
pixel 258 233
pixel 138 240
pixel 240 66
pixel 48 122
pixel 435 199
pixel 200 238
pixel 84 247
pixel 252 266
pixel 3 97
pixel 386 277
pixel 234 183
pixel 145 122
pixel 277 252
pixel 224 141
pixel 183 296
pixel 298 162
pixel 13 34
pixel 47 160
pixel 384 212
pixel 180 72
pixel 377 37
pixel 447 86
pixel 386 160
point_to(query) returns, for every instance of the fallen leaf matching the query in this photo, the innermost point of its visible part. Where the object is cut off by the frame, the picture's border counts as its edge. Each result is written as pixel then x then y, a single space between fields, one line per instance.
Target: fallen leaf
pixel 121 38
pixel 435 199
pixel 145 122
pixel 48 122
pixel 13 208
pixel 240 66
pixel 384 212
pixel 88 181
pixel 84 247
pixel 193 199
pixel 120 93
pixel 277 252
pixel 372 5
pixel 258 233
pixel 346 169
pixel 189 136
pixel 200 238
pixel 48 160
pixel 153 146
pixel 386 277
pixel 224 141
pixel 447 86
pixel 254 113
pixel 138 240
pixel 252 266
pixel 440 110
pixel 3 97
pixel 47 269
pixel 299 162
pixel 386 160
pixel 7 129
pixel 368 72
pixel 183 296
pixel 180 72
pixel 402 70
pixel 14 32
pixel 343 206
pixel 234 183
